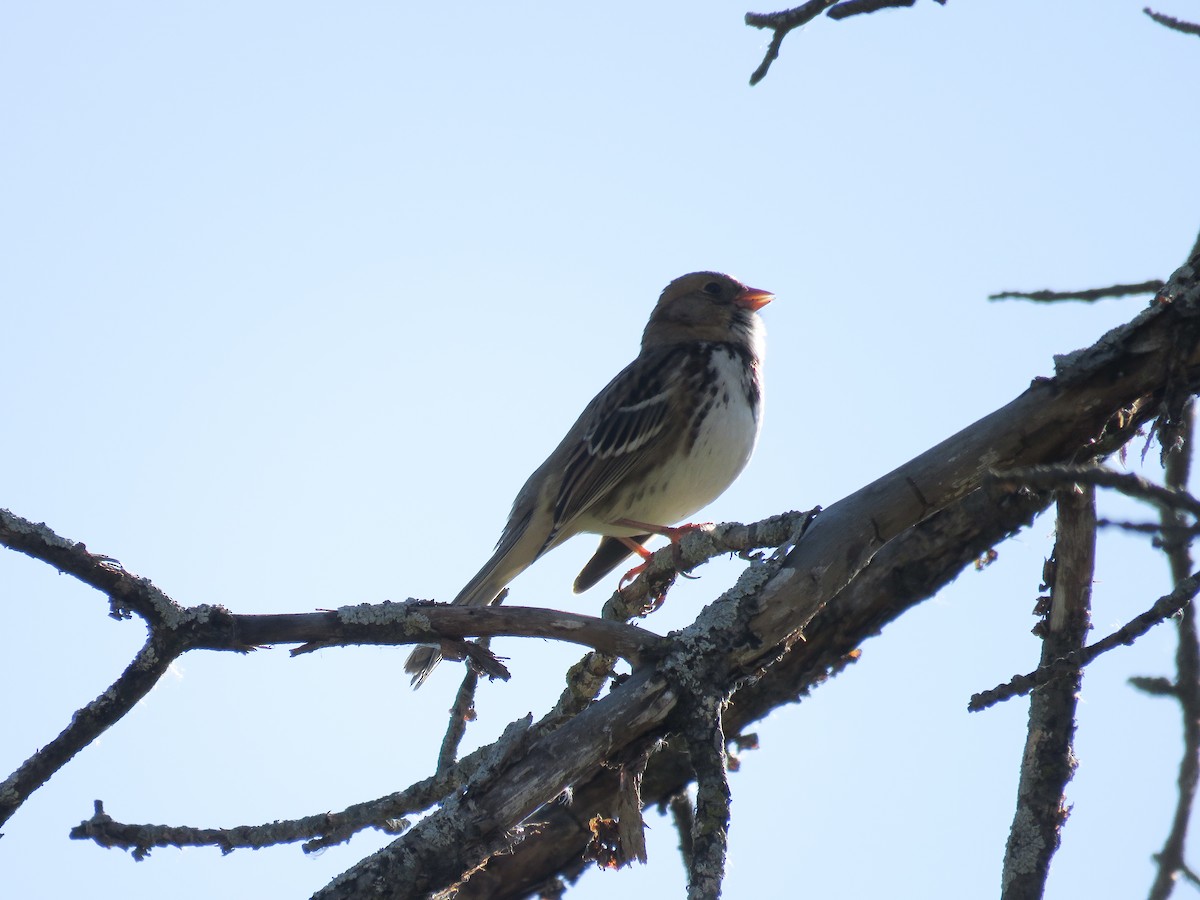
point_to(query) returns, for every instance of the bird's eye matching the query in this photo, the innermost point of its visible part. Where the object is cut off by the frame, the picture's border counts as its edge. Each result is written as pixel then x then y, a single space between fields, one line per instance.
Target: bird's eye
pixel 712 289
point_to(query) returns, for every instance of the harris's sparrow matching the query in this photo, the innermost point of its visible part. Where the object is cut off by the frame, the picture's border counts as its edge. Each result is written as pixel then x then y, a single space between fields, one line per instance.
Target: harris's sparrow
pixel 664 439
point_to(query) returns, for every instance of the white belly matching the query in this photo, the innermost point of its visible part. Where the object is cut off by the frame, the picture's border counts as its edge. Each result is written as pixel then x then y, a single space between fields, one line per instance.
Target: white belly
pixel 723 446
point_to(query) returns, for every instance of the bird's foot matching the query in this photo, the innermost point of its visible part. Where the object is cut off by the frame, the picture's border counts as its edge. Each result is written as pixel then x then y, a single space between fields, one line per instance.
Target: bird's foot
pixel 673 533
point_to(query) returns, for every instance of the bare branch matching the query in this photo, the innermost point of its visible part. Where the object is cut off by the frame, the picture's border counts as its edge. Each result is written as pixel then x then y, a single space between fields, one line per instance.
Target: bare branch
pixel 176 629
pixel 321 830
pixel 1166 606
pixel 1127 483
pixel 87 724
pixel 1049 760
pixel 1091 295
pixel 127 593
pixel 1150 528
pixel 859 7
pixel 698 546
pixel 1173 23
pixel 781 23
pixel 419 621
pixel 461 712
pixel 710 830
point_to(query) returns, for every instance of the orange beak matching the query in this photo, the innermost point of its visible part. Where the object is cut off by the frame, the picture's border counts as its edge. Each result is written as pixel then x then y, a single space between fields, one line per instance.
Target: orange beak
pixel 753 298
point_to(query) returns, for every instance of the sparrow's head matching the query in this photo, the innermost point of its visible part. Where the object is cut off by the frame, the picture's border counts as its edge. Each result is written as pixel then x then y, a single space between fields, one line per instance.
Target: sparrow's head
pixel 706 306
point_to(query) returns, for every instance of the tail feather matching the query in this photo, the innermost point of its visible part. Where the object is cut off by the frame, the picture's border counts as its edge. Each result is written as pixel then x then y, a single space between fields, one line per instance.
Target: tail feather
pixel 482 590
pixel 421 662
pixel 606 558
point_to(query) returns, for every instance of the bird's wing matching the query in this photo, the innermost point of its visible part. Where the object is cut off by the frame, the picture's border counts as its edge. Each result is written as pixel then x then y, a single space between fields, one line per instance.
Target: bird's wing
pixel 625 426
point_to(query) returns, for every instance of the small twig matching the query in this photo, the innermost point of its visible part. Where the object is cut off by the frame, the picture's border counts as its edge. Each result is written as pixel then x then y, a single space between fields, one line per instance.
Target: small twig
pixel 1155 687
pixel 1049 761
pixel 1173 23
pixel 1166 606
pixel 781 23
pixel 1151 528
pixel 1189 876
pixel 1056 476
pixel 462 712
pixel 859 7
pixel 319 831
pixel 1091 295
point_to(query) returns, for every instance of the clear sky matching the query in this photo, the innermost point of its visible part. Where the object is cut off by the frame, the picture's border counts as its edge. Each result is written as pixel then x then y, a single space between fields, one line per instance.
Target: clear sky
pixel 296 295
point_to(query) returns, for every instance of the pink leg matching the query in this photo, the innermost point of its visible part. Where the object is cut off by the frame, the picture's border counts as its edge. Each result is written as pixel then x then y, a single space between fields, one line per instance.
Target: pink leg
pixel 673 533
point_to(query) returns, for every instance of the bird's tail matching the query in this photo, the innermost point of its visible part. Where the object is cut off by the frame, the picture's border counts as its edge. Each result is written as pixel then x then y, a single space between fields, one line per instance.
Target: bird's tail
pixel 606 558
pixel 482 590
pixel 421 662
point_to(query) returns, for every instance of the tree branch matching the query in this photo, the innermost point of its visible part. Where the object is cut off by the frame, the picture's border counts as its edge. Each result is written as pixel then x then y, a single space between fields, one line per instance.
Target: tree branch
pixel 175 629
pixel 1048 762
pixel 705 742
pixel 318 831
pixel 1091 295
pixel 784 22
pixel 1167 498
pixel 781 23
pixel 1164 608
pixel 87 724
pixel 461 712
pixel 1174 24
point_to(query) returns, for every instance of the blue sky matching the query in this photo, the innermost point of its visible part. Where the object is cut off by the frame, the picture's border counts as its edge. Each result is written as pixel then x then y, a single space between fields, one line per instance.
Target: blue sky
pixel 296 296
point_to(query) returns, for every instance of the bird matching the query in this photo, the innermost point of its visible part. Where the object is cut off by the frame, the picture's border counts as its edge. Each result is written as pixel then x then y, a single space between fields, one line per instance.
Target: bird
pixel 660 442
